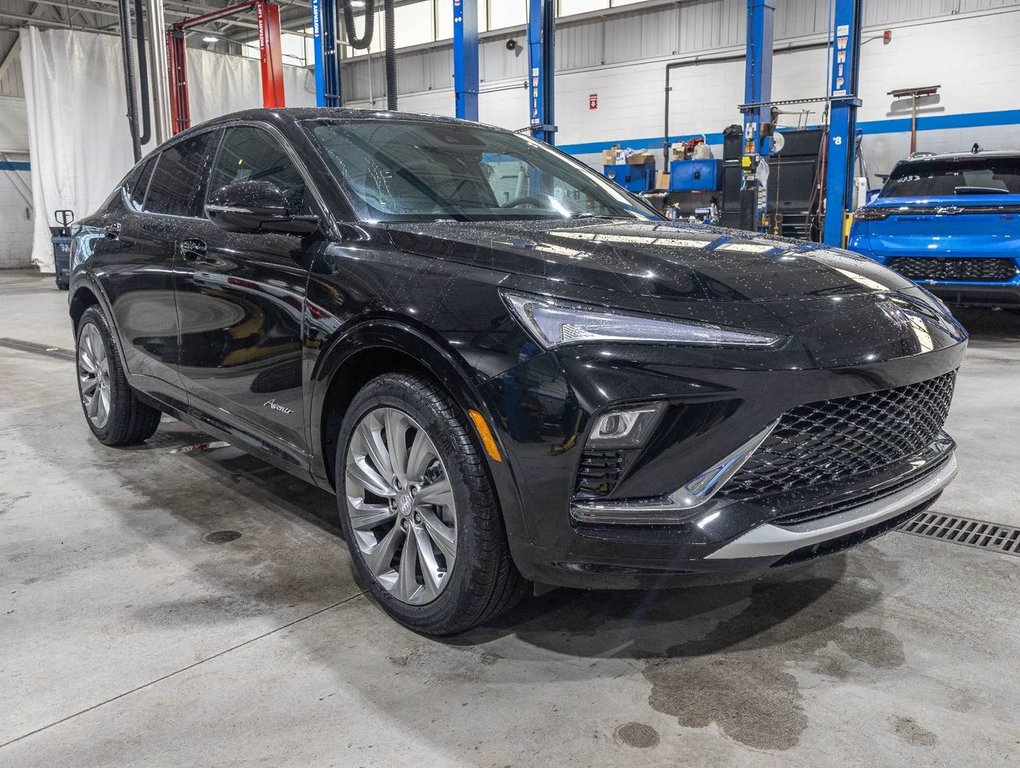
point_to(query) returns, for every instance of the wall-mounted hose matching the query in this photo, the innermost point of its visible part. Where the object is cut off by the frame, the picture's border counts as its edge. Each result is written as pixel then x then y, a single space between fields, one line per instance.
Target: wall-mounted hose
pixel 124 16
pixel 143 76
pixel 391 58
pixel 360 43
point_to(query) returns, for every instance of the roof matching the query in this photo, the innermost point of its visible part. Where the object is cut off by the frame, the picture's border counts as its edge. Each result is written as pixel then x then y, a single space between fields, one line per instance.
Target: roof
pixel 951 156
pixel 339 113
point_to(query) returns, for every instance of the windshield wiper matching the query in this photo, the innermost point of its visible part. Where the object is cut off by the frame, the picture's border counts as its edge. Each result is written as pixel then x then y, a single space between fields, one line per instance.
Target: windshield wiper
pixel 587 215
pixel 980 191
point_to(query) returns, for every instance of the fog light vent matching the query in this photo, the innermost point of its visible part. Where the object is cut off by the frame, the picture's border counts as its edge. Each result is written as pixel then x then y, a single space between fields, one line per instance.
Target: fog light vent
pixel 599 472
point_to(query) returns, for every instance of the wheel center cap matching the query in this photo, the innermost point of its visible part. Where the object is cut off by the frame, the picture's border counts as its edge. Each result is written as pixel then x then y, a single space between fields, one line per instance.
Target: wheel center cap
pixel 405 503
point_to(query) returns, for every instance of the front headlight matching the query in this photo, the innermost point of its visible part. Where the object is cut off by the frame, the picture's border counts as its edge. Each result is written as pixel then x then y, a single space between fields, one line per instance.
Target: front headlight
pixel 554 322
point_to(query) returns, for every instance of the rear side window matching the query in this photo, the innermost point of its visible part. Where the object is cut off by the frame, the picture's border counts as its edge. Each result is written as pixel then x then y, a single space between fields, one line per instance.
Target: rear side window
pixel 177 185
pixel 252 154
pixel 139 183
pixel 947 178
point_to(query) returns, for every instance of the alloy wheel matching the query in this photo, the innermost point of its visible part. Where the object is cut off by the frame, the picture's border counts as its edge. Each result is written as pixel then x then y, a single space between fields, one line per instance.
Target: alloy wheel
pixel 401 506
pixel 94 375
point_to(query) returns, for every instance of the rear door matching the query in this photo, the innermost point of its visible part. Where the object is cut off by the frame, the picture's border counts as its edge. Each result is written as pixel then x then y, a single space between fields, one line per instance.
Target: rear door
pixel 240 299
pixel 135 262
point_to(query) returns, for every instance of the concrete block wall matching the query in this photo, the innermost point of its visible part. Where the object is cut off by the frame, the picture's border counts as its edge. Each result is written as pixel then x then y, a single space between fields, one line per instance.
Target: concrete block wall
pixel 15 222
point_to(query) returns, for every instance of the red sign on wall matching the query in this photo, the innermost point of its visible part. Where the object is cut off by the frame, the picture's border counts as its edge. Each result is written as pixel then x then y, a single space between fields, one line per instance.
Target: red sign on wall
pixel 593 101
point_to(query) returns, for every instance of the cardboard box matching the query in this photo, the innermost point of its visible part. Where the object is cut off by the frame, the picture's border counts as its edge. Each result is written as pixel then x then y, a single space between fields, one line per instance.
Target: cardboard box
pixel 609 155
pixel 662 180
pixel 641 157
pixel 679 152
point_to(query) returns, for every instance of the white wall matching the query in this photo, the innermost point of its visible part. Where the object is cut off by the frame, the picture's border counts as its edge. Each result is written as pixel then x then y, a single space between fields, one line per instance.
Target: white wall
pixel 15 218
pixel 974 56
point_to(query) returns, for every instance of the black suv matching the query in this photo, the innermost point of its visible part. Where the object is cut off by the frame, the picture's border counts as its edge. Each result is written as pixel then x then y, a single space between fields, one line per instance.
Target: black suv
pixel 507 368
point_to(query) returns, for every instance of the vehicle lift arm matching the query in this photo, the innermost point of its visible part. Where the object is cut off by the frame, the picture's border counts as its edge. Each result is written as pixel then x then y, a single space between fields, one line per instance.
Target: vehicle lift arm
pixel 271 57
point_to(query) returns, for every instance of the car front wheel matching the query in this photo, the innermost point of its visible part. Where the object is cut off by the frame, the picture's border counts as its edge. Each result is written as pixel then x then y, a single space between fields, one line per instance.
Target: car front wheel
pixel 418 509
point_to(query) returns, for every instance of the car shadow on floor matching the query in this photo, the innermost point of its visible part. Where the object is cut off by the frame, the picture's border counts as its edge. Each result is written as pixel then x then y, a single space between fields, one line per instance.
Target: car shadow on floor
pixel 813 601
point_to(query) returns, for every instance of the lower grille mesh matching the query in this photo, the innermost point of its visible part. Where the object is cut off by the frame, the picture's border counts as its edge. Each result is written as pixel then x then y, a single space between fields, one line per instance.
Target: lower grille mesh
pixel 972 270
pixel 599 472
pixel 835 440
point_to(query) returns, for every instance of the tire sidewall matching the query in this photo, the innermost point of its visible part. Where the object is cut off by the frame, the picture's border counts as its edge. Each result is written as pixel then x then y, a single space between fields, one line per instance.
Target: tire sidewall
pixel 95 317
pixel 420 405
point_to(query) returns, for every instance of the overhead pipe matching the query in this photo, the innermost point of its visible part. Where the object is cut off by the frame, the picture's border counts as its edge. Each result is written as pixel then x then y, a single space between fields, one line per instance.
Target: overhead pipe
pixel 129 75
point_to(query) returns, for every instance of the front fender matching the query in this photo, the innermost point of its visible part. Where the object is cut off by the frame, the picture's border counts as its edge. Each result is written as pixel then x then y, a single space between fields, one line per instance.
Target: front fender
pixel 347 353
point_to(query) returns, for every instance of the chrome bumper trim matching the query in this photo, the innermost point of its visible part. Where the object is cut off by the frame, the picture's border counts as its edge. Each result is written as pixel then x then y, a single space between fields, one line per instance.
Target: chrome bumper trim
pixel 676 507
pixel 775 541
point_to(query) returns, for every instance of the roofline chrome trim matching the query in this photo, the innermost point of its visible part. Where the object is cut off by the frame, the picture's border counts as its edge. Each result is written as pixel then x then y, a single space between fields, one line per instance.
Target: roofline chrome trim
pixel 775 541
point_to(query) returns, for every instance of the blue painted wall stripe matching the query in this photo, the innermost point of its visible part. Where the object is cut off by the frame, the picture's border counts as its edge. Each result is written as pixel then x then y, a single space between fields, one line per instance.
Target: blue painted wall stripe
pixel 14 166
pixel 894 125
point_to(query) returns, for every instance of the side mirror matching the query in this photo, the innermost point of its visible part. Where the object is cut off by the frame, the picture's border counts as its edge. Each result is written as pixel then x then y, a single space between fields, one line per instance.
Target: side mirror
pixel 256 206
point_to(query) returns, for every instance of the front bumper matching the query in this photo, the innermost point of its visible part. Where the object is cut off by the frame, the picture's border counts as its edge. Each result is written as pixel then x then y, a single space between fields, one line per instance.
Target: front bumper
pixel 543 407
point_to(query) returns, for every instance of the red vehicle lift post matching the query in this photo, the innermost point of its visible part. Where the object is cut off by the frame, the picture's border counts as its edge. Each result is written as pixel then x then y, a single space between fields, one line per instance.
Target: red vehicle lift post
pixel 270 54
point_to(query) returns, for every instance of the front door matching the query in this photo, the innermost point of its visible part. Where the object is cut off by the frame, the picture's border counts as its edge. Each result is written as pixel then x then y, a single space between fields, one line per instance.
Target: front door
pixel 240 300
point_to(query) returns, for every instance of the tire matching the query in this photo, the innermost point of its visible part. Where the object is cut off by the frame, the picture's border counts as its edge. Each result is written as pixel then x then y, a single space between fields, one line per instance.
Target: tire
pixel 381 516
pixel 112 411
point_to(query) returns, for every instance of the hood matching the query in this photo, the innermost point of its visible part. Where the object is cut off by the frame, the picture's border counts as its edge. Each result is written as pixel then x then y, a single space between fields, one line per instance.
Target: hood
pixel 685 262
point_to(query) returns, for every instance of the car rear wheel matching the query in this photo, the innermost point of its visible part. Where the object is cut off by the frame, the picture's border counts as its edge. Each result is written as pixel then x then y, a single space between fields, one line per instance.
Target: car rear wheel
pixel 112 411
pixel 418 509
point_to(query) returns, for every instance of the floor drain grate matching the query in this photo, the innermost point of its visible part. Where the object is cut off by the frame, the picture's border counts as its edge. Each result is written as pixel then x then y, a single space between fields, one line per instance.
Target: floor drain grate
pixel 38 349
pixel 962 530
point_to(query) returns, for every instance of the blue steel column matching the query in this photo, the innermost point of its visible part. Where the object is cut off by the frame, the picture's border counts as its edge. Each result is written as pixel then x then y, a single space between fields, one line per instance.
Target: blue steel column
pixel 327 65
pixel 542 69
pixel 757 89
pixel 465 58
pixel 839 172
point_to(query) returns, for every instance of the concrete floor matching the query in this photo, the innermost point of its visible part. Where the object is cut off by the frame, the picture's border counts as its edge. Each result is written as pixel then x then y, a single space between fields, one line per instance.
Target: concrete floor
pixel 127 638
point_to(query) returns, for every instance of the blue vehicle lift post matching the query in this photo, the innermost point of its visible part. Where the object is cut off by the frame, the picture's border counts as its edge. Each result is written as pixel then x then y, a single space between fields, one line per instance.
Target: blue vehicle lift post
pixel 841 151
pixel 542 69
pixel 465 58
pixel 327 63
pixel 757 113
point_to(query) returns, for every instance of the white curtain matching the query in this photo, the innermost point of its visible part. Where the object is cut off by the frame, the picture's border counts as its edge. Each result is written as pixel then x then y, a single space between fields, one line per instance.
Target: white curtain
pixel 78 136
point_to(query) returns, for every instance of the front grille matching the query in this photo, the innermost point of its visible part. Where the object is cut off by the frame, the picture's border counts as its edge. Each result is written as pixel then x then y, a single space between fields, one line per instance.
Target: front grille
pixel 846 438
pixel 971 270
pixel 599 473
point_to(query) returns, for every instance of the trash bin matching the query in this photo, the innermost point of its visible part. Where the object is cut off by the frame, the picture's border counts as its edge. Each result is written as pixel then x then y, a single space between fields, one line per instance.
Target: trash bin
pixel 61 239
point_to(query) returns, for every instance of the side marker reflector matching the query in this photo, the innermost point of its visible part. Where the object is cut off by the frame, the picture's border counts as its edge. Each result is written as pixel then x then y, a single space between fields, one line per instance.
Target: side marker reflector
pixel 488 441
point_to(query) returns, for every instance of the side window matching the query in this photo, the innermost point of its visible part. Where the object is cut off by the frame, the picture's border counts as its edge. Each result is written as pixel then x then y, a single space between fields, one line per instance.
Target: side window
pixel 176 185
pixel 252 154
pixel 139 183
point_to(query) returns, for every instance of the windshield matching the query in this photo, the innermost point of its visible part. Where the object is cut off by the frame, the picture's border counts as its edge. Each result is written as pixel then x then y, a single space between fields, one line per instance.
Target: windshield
pixel 948 178
pixel 396 170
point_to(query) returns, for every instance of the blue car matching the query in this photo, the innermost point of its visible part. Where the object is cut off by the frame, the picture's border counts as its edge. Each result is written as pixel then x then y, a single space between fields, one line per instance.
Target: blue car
pixel 950 223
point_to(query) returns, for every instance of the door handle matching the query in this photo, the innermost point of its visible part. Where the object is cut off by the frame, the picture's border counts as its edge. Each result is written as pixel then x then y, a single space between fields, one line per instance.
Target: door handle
pixel 192 250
